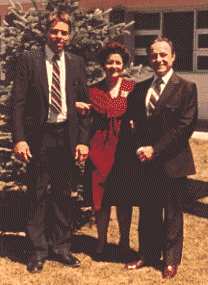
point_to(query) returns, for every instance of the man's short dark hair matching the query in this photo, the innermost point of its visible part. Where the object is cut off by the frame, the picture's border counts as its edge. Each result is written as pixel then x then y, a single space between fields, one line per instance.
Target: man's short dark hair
pixel 157 40
pixel 59 16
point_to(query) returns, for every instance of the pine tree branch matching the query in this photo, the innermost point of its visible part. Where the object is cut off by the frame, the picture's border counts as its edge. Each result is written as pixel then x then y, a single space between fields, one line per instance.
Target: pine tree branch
pixel 20 7
pixel 35 4
pixel 12 4
pixel 21 24
pixel 107 11
pixel 21 18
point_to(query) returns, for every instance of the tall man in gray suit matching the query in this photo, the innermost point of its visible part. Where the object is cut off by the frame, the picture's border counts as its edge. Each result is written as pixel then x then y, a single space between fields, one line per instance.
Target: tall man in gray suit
pixel 170 105
pixel 48 134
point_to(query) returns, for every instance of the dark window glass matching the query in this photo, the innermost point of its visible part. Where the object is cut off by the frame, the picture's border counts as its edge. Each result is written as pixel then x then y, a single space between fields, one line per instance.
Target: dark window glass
pixel 202 62
pixel 203 41
pixel 144 21
pixel 141 59
pixel 144 41
pixel 179 28
pixel 117 16
pixel 202 20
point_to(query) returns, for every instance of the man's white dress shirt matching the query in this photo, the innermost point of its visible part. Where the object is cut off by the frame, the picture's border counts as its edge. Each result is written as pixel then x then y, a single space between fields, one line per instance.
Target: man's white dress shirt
pixel 162 87
pixel 62 116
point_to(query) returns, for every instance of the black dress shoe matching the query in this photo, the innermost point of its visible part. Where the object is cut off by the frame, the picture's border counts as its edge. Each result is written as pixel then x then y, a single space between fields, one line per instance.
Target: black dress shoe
pixel 136 264
pixel 70 260
pixel 35 266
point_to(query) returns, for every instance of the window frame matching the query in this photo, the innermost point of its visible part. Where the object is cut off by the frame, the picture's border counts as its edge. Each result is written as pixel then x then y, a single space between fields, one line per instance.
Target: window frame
pixel 158 33
pixel 198 51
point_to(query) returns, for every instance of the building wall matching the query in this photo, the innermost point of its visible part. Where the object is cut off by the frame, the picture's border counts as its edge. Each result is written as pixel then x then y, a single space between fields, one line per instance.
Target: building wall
pixel 131 7
pixel 149 5
pixel 201 81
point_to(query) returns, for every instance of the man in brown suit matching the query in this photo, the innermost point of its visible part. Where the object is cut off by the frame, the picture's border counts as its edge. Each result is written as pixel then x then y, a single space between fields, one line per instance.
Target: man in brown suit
pixel 170 104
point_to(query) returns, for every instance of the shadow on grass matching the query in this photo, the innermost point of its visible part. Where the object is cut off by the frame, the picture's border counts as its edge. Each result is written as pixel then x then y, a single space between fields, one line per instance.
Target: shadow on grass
pixel 113 253
pixel 196 190
pixel 87 245
pixel 14 247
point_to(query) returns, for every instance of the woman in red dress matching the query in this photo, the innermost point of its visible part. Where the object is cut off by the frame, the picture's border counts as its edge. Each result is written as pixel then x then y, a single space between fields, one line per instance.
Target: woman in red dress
pixel 109 103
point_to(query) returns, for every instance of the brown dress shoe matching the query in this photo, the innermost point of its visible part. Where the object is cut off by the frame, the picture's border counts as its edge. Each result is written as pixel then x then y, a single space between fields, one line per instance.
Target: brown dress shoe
pixel 135 264
pixel 169 271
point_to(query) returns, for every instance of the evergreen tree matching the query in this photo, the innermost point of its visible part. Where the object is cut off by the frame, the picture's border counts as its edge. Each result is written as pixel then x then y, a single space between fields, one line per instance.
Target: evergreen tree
pixel 25 30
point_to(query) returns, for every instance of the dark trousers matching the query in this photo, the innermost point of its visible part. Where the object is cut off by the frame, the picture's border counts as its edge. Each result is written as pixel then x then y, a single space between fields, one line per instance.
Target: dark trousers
pixel 162 231
pixel 50 178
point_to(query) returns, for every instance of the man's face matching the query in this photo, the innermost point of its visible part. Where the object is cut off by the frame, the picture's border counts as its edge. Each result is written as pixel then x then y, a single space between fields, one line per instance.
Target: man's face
pixel 161 58
pixel 58 35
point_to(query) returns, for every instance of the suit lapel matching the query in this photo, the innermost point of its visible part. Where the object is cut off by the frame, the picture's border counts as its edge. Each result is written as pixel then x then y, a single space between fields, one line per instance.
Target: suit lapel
pixel 145 87
pixel 167 92
pixel 41 65
pixel 69 79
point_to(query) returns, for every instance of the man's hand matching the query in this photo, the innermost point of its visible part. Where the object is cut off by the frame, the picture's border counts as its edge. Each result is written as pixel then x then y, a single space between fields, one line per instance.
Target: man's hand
pixel 83 107
pixel 145 153
pixel 81 152
pixel 22 151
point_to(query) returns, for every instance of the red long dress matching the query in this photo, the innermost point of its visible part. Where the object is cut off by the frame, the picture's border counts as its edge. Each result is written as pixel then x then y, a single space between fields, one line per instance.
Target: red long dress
pixel 104 141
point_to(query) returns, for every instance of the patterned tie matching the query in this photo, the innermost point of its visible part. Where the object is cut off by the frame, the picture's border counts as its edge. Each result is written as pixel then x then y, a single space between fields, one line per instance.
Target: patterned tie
pixel 55 88
pixel 155 95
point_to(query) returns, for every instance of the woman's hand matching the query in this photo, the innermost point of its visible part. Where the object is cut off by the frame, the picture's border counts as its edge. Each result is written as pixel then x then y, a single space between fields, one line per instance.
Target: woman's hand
pixel 83 107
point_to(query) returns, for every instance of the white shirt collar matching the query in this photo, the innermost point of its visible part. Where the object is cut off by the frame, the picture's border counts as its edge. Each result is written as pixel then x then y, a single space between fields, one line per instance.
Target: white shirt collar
pixel 166 77
pixel 50 54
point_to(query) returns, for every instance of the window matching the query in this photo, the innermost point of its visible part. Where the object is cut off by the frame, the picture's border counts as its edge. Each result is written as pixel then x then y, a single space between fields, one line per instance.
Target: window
pixel 203 41
pixel 142 41
pixel 202 20
pixel 144 21
pixel 179 28
pixel 147 27
pixel 200 55
pixel 187 30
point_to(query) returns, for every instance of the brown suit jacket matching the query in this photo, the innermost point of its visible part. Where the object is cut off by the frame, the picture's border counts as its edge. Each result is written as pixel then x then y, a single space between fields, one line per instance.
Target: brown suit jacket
pixel 169 128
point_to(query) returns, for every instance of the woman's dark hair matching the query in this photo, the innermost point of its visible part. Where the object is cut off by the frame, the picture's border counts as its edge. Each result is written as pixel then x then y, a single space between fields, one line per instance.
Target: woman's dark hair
pixel 112 49
pixel 59 16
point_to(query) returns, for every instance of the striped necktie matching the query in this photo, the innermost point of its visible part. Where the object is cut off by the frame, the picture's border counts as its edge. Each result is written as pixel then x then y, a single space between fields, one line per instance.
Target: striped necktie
pixel 155 95
pixel 56 88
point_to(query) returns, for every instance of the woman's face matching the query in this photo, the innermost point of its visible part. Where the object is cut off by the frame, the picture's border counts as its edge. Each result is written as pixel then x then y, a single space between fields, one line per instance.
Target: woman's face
pixel 114 65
